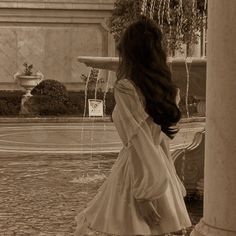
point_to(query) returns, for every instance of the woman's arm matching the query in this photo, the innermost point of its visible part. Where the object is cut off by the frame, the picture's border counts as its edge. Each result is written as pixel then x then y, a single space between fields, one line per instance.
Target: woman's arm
pixel 149 172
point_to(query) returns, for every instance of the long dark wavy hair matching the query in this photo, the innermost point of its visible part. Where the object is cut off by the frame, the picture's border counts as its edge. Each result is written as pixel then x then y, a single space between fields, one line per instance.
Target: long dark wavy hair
pixel 143 60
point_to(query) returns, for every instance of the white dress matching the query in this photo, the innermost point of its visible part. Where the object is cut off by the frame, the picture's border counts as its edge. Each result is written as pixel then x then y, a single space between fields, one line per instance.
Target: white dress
pixel 143 170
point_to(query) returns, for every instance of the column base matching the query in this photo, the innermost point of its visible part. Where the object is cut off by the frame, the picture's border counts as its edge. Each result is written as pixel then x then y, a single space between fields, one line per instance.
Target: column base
pixel 202 229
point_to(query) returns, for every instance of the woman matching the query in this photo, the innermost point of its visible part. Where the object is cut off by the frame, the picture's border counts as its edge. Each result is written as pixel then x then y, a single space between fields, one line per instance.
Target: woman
pixel 143 194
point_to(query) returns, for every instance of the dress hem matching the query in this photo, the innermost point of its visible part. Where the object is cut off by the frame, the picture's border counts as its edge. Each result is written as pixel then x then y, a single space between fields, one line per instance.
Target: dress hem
pixel 85 225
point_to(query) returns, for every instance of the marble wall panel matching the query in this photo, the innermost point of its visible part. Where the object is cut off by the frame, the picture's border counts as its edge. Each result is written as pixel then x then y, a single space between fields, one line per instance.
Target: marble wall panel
pixel 57 61
pixel 53 50
pixel 86 40
pixel 51 34
pixel 31 47
pixel 8 54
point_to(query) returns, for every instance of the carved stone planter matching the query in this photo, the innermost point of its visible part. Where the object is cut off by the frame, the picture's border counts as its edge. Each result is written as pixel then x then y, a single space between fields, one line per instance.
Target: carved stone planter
pixel 28 82
pixel 189 164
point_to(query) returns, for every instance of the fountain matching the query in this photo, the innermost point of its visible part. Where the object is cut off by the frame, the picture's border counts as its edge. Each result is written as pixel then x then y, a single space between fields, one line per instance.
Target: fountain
pixel 90 103
pixel 193 69
pixel 188 73
pixel 190 76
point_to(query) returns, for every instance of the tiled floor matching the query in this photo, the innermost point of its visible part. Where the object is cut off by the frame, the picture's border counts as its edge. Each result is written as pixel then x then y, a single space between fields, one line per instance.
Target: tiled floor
pixel 41 194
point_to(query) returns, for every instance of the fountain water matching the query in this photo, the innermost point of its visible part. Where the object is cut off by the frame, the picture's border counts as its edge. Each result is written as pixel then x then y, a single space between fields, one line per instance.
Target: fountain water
pixel 105 92
pixel 85 107
pixel 86 91
pixel 96 86
pixel 144 7
pixel 188 60
pixel 92 132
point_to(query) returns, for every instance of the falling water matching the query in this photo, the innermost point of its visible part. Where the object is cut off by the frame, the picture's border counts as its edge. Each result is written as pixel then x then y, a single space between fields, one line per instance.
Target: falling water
pixel 144 7
pixel 93 118
pixel 159 12
pixel 194 6
pixel 188 60
pixel 180 18
pixel 205 22
pixel 86 91
pixel 152 8
pixel 163 13
pixel 96 86
pixel 85 107
pixel 169 22
pixel 105 92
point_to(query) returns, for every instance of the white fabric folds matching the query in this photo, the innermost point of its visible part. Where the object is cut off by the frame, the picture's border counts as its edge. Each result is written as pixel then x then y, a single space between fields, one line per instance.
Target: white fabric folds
pixel 143 170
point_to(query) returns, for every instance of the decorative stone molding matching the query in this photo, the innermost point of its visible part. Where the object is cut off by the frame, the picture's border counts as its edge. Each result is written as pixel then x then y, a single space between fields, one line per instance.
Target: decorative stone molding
pixel 104 25
pixel 189 162
pixel 52 16
pixel 59 4
pixel 203 229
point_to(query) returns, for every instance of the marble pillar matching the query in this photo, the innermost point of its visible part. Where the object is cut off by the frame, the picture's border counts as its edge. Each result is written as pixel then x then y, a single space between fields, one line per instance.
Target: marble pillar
pixel 219 218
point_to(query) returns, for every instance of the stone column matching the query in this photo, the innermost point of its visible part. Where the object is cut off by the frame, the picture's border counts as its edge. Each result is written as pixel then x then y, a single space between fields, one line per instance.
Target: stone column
pixel 219 218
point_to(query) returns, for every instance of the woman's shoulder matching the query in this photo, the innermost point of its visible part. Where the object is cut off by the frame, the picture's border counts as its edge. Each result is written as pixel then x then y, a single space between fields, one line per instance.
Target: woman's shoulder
pixel 128 87
pixel 124 84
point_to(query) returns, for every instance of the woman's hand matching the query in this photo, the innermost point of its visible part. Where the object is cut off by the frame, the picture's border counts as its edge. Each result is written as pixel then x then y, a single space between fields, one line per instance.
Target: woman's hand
pixel 148 212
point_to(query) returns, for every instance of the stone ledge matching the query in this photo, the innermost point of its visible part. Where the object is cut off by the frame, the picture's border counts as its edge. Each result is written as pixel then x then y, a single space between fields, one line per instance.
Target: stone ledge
pixel 204 229
pixel 60 4
pixel 76 119
pixel 53 119
pixel 193 119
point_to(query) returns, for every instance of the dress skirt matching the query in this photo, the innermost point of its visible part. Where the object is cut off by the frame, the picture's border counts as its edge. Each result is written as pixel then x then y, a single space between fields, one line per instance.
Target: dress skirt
pixel 143 170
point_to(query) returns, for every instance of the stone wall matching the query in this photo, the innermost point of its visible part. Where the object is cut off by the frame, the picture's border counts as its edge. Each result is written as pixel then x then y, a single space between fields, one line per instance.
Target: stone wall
pixel 51 34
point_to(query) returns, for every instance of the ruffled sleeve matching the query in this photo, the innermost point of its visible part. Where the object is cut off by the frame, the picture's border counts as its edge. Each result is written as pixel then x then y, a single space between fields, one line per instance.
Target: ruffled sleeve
pixel 148 169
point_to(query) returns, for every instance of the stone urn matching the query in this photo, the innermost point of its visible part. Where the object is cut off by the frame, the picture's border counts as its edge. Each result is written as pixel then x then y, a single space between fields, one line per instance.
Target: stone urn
pixel 28 82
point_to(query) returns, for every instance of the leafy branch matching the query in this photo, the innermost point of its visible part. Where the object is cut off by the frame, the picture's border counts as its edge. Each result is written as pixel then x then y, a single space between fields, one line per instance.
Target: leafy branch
pixel 181 21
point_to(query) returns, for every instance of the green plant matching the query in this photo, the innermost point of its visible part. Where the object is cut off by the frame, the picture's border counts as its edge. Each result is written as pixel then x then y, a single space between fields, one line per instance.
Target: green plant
pixel 28 69
pixel 43 105
pixel 180 20
pixel 93 79
pixel 51 88
pixel 10 103
pixel 50 97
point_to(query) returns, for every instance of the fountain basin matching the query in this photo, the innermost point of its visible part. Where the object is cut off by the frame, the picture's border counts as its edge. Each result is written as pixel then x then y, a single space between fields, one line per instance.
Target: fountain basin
pixel 186 72
pixel 88 137
pixel 196 68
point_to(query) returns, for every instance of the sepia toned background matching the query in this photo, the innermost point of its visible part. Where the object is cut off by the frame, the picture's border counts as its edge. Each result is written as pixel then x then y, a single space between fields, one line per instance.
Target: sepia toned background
pixel 51 34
